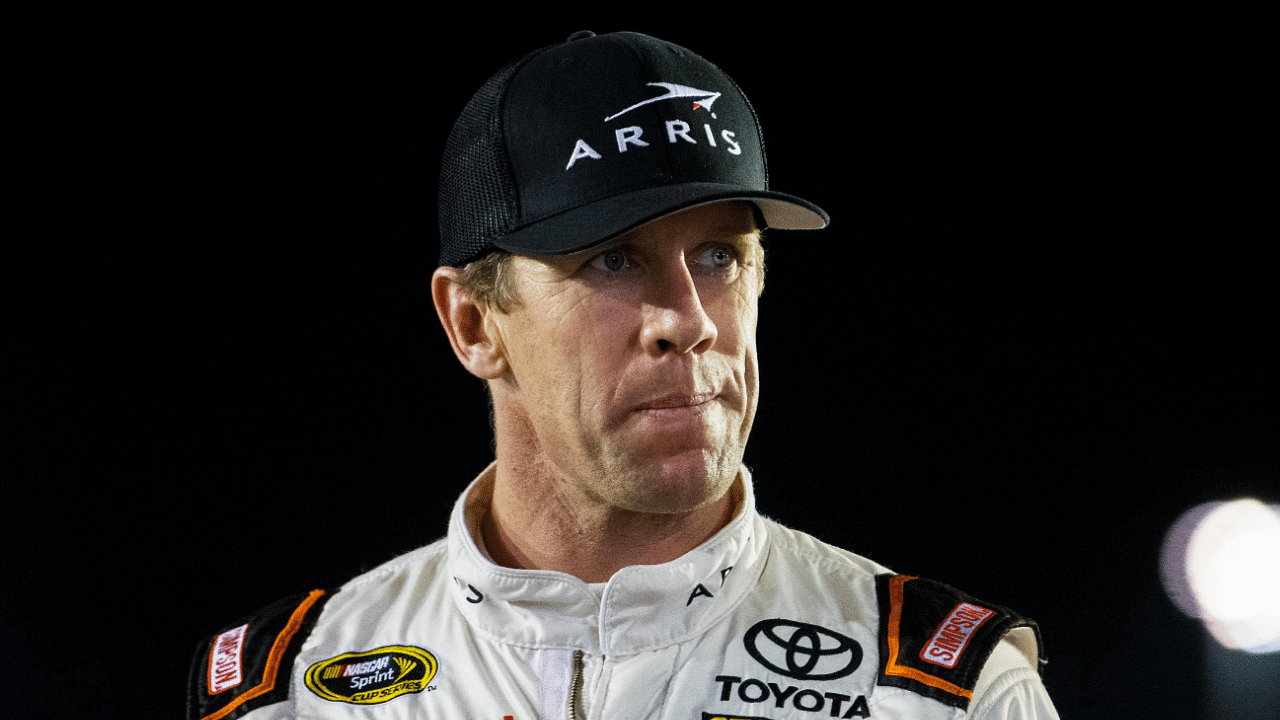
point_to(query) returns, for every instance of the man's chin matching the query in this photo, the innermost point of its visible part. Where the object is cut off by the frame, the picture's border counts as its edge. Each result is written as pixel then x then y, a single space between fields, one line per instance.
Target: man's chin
pixel 679 484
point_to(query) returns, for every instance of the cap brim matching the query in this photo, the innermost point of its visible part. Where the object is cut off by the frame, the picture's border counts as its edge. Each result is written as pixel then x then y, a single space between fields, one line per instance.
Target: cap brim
pixel 597 222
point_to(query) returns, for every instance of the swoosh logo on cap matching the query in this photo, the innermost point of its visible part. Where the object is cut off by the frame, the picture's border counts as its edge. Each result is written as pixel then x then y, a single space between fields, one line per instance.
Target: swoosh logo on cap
pixel 675 91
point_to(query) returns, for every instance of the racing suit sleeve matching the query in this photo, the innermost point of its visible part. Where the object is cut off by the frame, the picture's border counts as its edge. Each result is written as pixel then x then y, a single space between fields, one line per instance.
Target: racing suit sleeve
pixel 1009 688
pixel 243 671
pixel 975 656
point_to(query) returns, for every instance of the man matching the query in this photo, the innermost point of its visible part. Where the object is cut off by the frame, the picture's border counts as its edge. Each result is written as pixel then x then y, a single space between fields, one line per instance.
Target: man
pixel 601 205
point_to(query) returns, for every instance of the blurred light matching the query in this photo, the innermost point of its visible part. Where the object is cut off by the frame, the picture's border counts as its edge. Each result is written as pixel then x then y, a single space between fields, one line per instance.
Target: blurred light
pixel 1221 563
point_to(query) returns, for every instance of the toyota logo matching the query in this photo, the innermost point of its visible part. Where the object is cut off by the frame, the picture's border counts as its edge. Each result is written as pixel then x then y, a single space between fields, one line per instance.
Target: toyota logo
pixel 802 651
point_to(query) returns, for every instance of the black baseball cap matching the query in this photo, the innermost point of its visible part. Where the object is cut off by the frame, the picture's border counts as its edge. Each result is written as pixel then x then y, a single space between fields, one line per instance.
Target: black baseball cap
pixel 581 141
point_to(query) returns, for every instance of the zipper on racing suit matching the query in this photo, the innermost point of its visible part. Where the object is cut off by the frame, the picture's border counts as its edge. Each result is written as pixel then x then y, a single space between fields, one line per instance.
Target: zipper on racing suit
pixel 575 687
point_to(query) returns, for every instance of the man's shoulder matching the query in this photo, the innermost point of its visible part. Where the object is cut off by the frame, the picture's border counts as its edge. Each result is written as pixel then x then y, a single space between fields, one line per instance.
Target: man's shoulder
pixel 935 640
pixel 805 548
pixel 423 561
pixel 247 665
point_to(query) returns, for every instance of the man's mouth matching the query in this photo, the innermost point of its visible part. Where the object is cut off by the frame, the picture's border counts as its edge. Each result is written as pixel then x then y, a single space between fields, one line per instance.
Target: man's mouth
pixel 676 402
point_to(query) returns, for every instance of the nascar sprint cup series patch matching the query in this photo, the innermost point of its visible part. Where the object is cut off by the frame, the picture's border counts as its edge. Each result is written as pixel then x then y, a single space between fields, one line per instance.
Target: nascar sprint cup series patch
pixel 374 676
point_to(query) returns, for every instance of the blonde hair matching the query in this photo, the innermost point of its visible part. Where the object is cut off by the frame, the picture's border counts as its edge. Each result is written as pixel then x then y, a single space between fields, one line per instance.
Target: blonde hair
pixel 489 281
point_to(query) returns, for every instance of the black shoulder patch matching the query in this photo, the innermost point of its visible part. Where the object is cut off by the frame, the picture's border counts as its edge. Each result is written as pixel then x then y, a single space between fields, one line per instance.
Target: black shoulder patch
pixel 247 665
pixel 935 639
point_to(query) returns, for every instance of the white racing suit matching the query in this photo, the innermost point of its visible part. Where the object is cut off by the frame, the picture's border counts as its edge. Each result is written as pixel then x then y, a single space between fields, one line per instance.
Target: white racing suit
pixel 760 622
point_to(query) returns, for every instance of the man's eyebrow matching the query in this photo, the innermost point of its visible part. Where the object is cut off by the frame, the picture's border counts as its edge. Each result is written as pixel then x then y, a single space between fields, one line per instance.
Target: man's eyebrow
pixel 755 236
pixel 734 233
pixel 589 252
pixel 752 234
pixel 729 234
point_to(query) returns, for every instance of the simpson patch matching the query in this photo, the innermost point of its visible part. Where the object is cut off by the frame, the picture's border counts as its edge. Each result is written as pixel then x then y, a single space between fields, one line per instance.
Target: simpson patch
pixel 935 639
pixel 950 640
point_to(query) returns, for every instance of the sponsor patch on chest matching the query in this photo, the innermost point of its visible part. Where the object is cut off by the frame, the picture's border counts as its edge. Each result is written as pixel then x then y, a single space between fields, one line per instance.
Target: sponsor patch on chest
pixel 953 635
pixel 372 677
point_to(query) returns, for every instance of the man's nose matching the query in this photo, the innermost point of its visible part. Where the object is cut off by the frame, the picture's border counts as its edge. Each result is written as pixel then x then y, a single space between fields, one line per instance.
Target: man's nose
pixel 675 320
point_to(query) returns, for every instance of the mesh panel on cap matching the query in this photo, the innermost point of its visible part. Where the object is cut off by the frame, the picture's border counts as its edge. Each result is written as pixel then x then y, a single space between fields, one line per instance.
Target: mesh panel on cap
pixel 477 193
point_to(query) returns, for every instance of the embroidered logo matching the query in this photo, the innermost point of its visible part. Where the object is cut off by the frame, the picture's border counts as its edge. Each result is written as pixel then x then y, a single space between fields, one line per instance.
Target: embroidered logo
pixel 373 677
pixel 675 91
pixel 226 670
pixel 801 650
pixel 677 131
pixel 953 635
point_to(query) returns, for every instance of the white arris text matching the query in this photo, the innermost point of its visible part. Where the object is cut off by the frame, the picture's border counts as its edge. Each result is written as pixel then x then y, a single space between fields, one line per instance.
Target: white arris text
pixel 676 131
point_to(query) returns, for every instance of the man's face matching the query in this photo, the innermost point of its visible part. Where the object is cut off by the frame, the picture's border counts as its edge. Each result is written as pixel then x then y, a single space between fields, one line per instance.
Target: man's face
pixel 632 365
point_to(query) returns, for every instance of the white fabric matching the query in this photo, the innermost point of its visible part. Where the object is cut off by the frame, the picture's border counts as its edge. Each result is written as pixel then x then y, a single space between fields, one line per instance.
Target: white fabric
pixel 1009 688
pixel 661 642
pixel 556 675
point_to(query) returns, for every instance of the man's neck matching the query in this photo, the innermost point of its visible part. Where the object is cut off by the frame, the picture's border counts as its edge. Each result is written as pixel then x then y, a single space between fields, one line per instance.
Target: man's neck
pixel 538 522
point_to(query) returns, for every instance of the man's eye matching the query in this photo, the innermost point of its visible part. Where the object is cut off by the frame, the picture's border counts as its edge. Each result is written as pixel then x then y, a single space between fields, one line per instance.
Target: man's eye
pixel 718 257
pixel 612 261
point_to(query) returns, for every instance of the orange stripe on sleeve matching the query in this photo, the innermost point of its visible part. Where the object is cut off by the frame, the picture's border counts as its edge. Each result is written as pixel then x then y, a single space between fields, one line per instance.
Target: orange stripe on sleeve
pixel 273 659
pixel 892 667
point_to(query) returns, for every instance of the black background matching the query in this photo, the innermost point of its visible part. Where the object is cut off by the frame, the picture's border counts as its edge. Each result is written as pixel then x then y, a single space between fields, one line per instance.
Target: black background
pixel 1039 328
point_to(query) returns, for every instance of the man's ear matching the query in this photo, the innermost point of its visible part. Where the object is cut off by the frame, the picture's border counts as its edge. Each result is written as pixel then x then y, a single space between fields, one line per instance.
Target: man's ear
pixel 474 340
